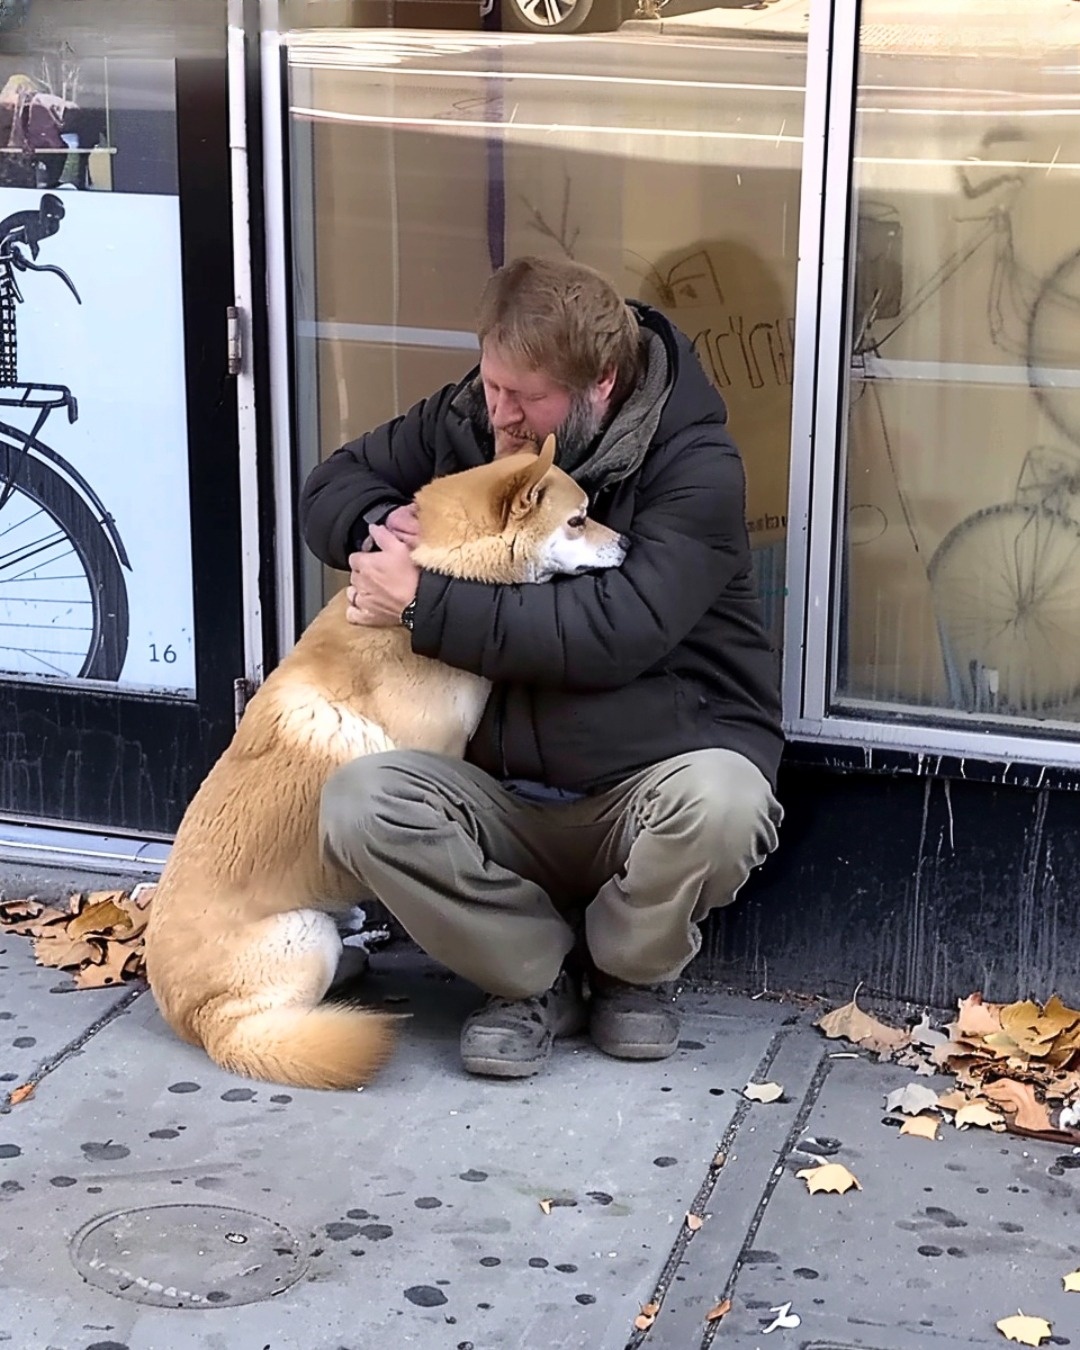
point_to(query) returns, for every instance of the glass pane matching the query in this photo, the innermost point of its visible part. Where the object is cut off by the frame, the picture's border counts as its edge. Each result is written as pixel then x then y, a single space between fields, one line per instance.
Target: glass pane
pixel 960 538
pixel 95 539
pixel 422 160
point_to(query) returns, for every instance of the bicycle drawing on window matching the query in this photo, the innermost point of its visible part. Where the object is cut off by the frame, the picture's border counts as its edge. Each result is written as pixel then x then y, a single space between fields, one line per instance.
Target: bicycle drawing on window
pixel 63 596
pixel 1005 581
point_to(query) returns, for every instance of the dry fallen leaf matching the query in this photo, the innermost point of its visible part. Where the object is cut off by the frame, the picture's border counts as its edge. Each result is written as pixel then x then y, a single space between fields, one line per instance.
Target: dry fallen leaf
pixel 97 936
pixel 978 1112
pixel 923 1127
pixel 852 1024
pixel 1018 1101
pixel 64 952
pixel 1071 1282
pixel 912 1099
pixel 976 1018
pixel 721 1310
pixel 694 1222
pixel 829 1177
pixel 21 1094
pixel 763 1092
pixel 545 1205
pixel 111 970
pixel 1026 1330
pixel 952 1101
pixel 1035 1029
pixel 644 1320
pixel 100 914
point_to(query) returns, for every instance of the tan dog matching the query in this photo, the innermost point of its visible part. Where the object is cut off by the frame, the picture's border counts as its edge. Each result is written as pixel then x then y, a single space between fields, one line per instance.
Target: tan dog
pixel 241 946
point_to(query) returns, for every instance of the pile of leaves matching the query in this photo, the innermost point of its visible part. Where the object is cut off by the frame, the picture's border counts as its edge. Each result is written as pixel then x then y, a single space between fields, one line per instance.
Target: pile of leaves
pixel 1017 1065
pixel 97 936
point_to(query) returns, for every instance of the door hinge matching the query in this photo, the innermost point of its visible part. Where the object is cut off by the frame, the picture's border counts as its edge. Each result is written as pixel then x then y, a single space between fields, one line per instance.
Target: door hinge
pixel 235 344
pixel 242 692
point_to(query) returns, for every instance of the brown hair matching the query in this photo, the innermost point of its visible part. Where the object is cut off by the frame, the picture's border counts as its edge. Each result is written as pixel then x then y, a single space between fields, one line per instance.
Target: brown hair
pixel 563 318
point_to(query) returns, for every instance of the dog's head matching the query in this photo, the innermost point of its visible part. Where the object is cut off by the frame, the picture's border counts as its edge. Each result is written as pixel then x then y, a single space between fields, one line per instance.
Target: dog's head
pixel 518 519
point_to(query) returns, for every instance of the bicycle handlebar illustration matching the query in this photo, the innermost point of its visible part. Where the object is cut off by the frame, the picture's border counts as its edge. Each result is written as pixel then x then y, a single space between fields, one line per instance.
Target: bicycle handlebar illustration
pixel 63 598
pixel 1005 581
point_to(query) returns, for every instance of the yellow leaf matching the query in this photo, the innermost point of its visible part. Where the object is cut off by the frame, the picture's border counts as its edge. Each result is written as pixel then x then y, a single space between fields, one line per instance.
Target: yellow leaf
pixel 721 1310
pixel 1026 1330
pixel 977 1018
pixel 1071 1282
pixel 952 1101
pixel 694 1222
pixel 978 1112
pixel 852 1024
pixel 26 1091
pixel 829 1177
pixel 923 1127
pixel 763 1092
pixel 645 1319
pixel 102 916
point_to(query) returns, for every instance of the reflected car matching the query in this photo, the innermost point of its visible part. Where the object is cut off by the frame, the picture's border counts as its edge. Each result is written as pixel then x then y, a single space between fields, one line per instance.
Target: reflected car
pixel 559 16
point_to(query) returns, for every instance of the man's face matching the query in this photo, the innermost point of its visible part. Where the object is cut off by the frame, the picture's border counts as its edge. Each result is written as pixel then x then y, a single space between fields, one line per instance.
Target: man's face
pixel 526 405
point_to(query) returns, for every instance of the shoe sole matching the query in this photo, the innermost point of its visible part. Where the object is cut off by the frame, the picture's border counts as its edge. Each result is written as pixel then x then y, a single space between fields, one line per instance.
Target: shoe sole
pixel 627 1051
pixel 502 1068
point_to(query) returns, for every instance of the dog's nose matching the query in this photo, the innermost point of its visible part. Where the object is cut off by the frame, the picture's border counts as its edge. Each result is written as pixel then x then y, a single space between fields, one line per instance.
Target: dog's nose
pixel 624 542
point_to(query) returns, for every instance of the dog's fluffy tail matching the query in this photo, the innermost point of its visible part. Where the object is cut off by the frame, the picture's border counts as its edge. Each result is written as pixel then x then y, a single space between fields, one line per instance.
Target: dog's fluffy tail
pixel 329 1046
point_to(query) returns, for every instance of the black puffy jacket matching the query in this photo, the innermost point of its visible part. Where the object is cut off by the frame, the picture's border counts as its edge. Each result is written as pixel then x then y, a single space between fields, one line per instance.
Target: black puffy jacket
pixel 596 676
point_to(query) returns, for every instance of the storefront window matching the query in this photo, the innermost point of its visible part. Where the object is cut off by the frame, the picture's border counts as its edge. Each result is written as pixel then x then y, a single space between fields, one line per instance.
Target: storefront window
pixel 421 160
pixel 960 559
pixel 95 538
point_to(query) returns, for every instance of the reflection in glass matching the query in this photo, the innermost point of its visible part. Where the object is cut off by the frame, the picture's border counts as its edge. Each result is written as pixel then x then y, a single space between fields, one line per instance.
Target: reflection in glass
pixel 960 566
pixel 420 161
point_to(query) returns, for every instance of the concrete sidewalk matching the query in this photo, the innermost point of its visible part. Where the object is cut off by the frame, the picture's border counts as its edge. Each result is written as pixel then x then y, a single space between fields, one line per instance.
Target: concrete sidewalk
pixel 150 1201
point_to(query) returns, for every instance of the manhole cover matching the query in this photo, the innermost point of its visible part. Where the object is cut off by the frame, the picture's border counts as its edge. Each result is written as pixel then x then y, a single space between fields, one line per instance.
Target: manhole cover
pixel 187 1256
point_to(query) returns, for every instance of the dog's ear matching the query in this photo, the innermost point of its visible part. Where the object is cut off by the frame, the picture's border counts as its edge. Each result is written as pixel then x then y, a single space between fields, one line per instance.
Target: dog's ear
pixel 522 489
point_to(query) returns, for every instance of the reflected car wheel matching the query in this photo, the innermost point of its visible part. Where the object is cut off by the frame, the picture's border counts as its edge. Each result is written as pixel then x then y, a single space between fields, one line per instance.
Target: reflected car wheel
pixel 559 16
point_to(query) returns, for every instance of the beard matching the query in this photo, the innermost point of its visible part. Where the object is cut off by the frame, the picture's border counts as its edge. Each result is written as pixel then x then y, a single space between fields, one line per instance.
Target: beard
pixel 580 428
pixel 573 437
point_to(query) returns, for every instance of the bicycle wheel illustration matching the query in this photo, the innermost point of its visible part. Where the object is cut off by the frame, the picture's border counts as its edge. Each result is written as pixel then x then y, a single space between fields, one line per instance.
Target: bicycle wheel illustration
pixel 1053 347
pixel 1006 590
pixel 63 600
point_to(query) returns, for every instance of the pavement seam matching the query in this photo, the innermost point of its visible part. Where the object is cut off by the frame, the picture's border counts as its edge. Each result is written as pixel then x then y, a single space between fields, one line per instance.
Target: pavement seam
pixel 712 1176
pixel 798 1126
pixel 73 1047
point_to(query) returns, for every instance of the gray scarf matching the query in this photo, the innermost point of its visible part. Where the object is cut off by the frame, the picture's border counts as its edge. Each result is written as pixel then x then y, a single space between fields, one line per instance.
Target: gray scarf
pixel 625 440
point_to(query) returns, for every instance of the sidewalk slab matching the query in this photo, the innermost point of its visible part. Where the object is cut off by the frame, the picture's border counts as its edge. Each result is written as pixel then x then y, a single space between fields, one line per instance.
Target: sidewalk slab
pixel 43 1017
pixel 408 1214
pixel 944 1238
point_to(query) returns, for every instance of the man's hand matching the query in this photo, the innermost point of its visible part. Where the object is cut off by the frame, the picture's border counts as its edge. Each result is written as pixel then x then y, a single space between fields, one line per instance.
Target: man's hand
pixel 382 584
pixel 403 525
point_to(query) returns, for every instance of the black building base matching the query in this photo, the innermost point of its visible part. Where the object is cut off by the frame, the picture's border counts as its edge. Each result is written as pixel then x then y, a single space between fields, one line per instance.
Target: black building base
pixel 924 889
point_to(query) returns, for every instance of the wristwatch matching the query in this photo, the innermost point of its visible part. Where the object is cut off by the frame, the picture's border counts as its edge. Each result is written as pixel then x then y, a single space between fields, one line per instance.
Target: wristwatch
pixel 408 616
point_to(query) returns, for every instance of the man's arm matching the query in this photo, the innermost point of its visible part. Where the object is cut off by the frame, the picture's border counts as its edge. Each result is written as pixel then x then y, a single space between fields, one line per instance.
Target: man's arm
pixel 602 630
pixel 366 479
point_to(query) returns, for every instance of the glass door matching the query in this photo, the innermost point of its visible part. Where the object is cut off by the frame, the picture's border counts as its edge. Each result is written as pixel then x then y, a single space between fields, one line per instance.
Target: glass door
pixel 120 631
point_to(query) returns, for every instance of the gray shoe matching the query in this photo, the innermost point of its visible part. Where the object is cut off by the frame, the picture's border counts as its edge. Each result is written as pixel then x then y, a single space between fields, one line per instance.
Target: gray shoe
pixel 633 1021
pixel 512 1038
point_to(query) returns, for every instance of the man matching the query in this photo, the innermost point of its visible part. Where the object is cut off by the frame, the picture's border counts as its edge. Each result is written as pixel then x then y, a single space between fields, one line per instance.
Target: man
pixel 619 785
